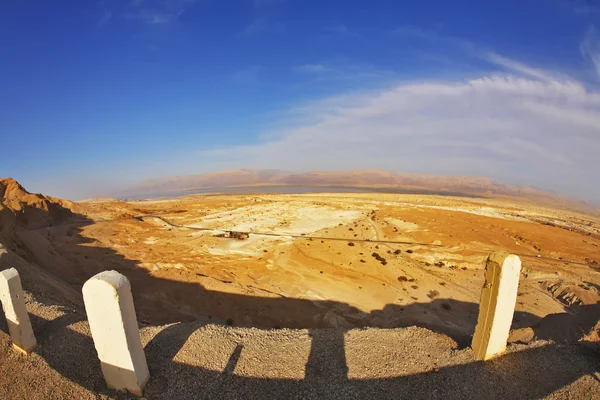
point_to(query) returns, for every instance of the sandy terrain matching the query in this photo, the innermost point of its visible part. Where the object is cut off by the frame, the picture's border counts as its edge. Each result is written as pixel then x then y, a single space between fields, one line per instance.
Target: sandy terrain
pixel 318 266
pixel 325 260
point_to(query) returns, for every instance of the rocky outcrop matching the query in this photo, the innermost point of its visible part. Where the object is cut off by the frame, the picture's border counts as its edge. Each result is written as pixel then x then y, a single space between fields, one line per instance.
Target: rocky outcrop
pixel 582 324
pixel 572 294
pixel 24 211
pixel 31 211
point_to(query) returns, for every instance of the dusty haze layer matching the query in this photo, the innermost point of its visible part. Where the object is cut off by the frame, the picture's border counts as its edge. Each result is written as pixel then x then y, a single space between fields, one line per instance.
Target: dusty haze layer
pixel 352 181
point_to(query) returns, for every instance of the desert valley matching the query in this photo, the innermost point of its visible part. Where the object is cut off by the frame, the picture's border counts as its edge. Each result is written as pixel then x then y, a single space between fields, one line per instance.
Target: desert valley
pixel 312 260
pixel 281 264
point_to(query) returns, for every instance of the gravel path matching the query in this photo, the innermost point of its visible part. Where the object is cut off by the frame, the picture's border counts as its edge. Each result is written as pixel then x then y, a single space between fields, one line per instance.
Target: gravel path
pixel 200 360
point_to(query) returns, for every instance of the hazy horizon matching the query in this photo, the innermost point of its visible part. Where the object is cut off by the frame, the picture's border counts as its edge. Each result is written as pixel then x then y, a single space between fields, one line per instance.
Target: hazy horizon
pixel 300 172
pixel 103 95
pixel 146 189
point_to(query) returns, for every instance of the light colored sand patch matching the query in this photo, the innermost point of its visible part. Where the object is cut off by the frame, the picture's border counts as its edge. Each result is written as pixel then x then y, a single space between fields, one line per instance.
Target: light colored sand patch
pixel 151 240
pixel 310 295
pixel 483 211
pixel 212 232
pixel 310 222
pixel 270 266
pixel 157 266
pixel 402 225
pixel 491 212
pixel 292 218
pixel 157 222
pixel 268 223
pixel 217 251
pixel 253 246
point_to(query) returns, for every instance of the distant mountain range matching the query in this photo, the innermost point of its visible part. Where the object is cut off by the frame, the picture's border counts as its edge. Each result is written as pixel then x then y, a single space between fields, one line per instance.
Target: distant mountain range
pixel 367 179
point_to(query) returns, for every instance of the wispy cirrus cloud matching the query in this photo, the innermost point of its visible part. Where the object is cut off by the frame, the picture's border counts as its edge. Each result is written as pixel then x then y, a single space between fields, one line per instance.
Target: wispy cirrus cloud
pixel 519 67
pixel 256 26
pixel 341 30
pixel 156 12
pixel 153 23
pixel 266 3
pixel 590 47
pixel 470 49
pixel 245 76
pixel 105 18
pixel 311 68
pixel 260 26
pixel 585 7
pixel 421 35
pixel 344 71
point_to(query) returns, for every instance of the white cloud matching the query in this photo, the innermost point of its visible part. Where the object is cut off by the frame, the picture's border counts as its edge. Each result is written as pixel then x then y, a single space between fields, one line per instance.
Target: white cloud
pixel 517 66
pixel 590 47
pixel 527 129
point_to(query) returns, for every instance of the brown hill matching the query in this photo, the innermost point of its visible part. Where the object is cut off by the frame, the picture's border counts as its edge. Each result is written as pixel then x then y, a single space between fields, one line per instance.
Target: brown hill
pixel 24 220
pixel 32 211
pixel 21 210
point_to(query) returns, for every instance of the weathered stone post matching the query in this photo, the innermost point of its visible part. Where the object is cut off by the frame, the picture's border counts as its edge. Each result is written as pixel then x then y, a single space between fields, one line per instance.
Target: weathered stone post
pixel 13 303
pixel 497 305
pixel 113 322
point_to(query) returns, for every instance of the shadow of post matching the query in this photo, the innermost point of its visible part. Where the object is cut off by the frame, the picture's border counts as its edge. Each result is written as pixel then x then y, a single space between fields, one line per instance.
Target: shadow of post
pixel 327 358
pixel 528 374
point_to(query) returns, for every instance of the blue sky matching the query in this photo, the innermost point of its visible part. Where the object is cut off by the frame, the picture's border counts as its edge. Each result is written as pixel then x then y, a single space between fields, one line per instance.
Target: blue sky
pixel 98 95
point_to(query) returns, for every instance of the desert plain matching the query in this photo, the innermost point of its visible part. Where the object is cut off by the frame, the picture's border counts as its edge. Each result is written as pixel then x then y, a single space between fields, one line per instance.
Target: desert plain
pixel 257 294
pixel 325 259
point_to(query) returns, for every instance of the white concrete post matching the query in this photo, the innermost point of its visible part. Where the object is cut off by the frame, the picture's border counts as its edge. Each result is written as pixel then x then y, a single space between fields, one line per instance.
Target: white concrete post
pixel 113 322
pixel 497 305
pixel 13 303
